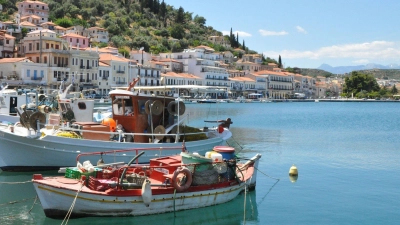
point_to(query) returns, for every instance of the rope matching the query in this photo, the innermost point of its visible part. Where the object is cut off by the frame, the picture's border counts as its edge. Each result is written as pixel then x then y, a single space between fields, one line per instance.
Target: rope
pixel 266 174
pixel 13 202
pixel 174 202
pixel 237 143
pixel 33 204
pixel 262 199
pixel 66 218
pixel 244 207
pixel 23 182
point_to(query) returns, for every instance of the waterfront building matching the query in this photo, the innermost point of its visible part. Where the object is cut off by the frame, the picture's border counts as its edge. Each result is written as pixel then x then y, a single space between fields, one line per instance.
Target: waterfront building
pixel 44 47
pixel 20 72
pixel 29 26
pixel 7 45
pixel 241 86
pixel 76 40
pixel 203 62
pixel 48 25
pixel 98 34
pixel 36 8
pixel 279 85
pixel 84 65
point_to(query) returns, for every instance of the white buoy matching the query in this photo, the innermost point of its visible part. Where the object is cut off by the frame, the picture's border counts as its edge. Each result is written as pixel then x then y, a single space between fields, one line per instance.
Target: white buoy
pixel 146 192
pixel 293 171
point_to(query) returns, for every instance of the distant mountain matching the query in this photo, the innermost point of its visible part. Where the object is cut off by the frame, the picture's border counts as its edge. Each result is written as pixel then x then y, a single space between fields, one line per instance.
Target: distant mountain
pixel 348 69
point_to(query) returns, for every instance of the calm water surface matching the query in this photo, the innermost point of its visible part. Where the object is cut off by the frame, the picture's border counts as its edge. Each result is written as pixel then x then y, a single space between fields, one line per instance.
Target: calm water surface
pixel 347 155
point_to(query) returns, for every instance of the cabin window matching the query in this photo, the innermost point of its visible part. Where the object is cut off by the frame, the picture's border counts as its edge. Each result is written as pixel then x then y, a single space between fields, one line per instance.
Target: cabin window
pixel 82 105
pixel 122 105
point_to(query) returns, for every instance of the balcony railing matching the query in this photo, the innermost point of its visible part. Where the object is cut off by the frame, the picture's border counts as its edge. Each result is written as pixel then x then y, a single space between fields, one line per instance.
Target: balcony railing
pixel 120 71
pixel 82 67
pixel 36 78
pixel 120 82
pixel 276 80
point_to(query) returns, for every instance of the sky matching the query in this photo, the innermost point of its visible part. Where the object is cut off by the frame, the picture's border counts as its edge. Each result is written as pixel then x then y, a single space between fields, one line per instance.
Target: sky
pixel 308 33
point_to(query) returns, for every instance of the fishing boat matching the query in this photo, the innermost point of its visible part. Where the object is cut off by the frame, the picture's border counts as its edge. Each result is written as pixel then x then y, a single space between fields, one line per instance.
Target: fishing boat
pixel 45 140
pixel 166 184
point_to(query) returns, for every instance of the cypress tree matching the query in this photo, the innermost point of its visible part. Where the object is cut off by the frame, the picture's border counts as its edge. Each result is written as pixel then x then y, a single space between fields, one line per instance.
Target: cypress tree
pixel 237 40
pixel 162 12
pixel 231 39
pixel 243 46
pixel 180 17
pixel 280 62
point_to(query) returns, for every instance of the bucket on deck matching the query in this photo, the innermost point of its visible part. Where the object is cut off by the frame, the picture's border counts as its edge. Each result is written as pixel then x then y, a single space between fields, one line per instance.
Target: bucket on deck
pixel 226 152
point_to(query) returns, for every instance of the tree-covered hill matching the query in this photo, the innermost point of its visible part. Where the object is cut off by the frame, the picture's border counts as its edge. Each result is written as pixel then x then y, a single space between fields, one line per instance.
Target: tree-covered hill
pixel 132 24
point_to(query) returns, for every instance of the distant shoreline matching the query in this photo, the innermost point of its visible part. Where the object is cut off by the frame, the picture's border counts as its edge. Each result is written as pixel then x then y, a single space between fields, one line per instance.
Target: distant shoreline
pixel 332 100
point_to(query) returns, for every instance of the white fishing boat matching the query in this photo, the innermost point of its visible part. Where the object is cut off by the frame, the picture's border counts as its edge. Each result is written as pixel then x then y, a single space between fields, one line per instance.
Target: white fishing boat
pixel 167 184
pixel 51 140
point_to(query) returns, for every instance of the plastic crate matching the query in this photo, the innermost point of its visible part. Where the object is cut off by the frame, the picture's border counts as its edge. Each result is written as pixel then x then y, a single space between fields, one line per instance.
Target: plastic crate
pixel 74 173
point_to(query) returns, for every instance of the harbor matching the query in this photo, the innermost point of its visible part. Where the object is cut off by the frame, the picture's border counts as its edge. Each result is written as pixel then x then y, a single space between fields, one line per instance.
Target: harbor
pixel 344 152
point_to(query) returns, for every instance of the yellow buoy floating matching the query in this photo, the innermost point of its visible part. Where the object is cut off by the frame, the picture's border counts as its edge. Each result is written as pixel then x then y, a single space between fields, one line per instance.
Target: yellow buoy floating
pixel 293 171
pixel 293 174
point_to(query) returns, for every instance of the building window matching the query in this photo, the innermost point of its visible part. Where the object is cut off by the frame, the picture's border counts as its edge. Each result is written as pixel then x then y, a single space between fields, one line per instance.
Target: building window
pixel 30 47
pixel 83 41
pixel 41 73
pixel 45 59
pixel 28 73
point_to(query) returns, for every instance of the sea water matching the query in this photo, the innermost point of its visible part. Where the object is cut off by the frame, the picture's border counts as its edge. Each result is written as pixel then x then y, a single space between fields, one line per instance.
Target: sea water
pixel 347 155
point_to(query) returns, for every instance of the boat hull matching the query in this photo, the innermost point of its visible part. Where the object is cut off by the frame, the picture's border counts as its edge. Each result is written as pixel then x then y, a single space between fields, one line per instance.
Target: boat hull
pixel 31 153
pixel 56 202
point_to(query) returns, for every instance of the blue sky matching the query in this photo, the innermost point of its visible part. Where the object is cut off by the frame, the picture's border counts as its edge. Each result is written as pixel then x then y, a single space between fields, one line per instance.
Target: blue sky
pixel 308 33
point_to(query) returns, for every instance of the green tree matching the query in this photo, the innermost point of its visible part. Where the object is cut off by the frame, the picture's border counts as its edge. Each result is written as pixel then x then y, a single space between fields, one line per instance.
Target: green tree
pixel 180 16
pixel 64 22
pixel 163 12
pixel 177 31
pixel 359 82
pixel 199 20
pixel 279 62
pixel 393 90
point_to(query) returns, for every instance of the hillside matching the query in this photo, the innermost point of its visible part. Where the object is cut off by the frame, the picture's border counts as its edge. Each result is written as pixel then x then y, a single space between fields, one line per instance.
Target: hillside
pixel 314 72
pixel 132 24
pixel 383 73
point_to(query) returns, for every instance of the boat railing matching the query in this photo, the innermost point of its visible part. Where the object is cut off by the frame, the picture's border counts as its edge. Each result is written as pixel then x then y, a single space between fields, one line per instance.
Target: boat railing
pixel 122 134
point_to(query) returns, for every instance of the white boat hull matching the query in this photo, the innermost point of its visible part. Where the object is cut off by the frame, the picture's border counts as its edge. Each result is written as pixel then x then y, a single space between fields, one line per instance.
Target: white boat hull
pixel 22 152
pixel 56 202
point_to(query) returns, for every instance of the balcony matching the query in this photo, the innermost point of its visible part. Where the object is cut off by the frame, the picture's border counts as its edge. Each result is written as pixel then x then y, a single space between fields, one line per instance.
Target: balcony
pixel 37 78
pixel 88 67
pixel 82 67
pixel 120 71
pixel 120 83
pixel 104 78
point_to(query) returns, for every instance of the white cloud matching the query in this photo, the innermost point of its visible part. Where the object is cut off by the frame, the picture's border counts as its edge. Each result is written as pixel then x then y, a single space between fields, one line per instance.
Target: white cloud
pixel 301 30
pixel 272 33
pixel 376 50
pixel 241 33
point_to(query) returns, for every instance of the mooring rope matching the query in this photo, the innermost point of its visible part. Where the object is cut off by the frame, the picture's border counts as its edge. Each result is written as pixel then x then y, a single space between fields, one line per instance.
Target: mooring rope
pixel 174 202
pixel 14 202
pixel 244 207
pixel 266 174
pixel 22 182
pixel 237 143
pixel 33 204
pixel 66 218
